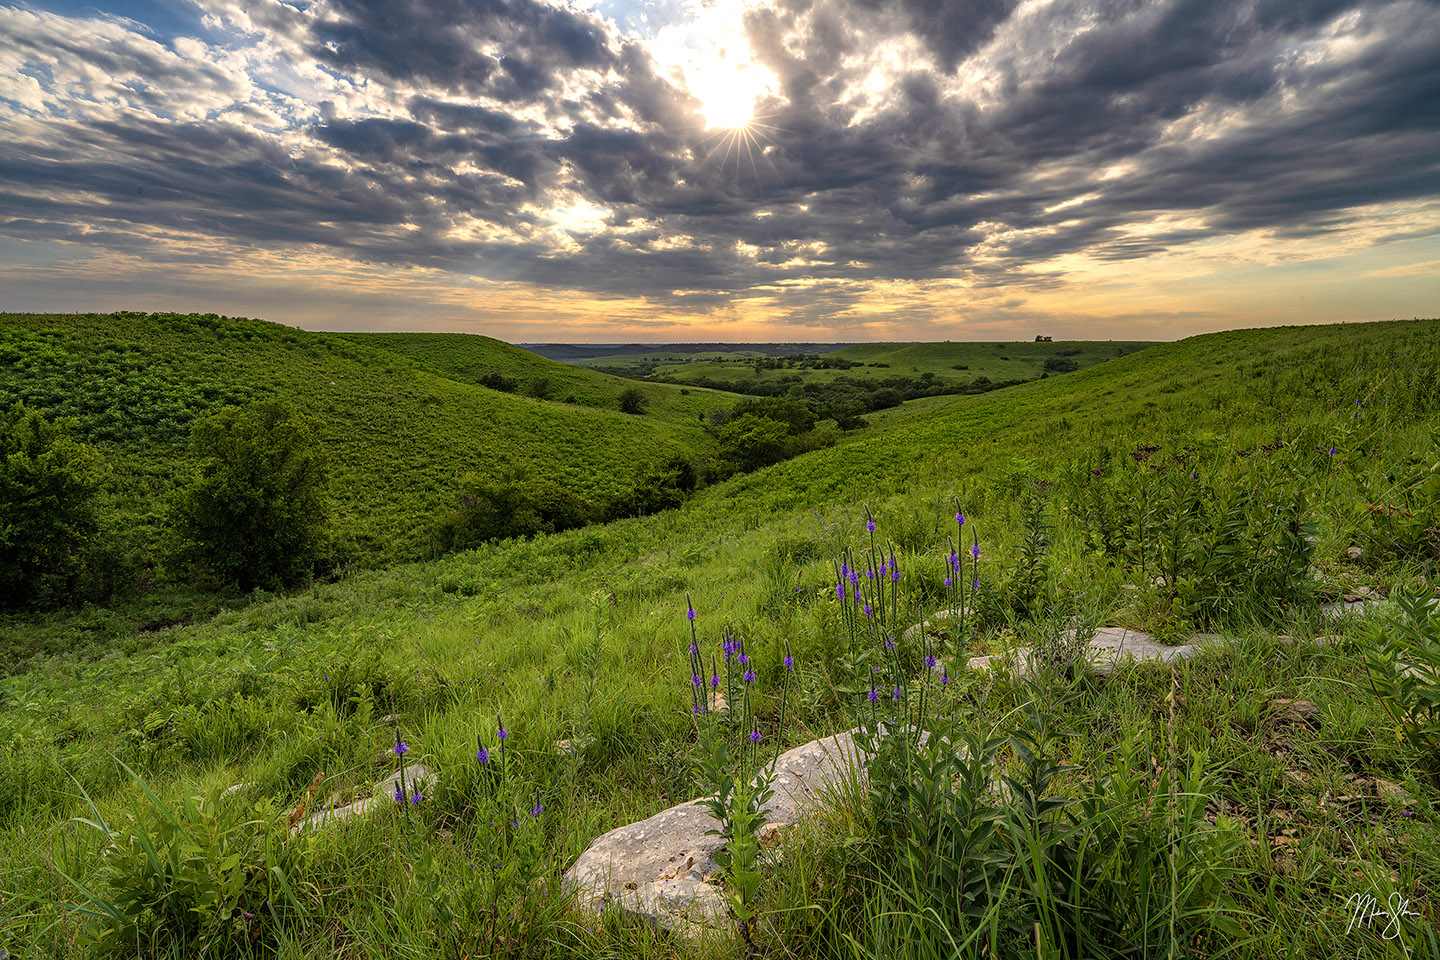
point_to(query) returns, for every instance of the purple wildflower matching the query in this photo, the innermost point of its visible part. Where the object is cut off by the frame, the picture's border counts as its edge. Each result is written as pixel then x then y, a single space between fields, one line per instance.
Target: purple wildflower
pixel 401 748
pixel 415 800
pixel 840 590
pixel 897 693
pixel 930 661
pixel 874 695
pixel 870 526
pixel 869 612
pixel 697 680
pixel 399 795
pixel 714 680
pixel 854 579
pixel 754 736
pixel 749 676
pixel 949 582
pixel 689 613
pixel 960 518
pixel 482 755
pixel 945 676
pixel 975 550
pixel 789 663
pixel 504 733
pixel 538 809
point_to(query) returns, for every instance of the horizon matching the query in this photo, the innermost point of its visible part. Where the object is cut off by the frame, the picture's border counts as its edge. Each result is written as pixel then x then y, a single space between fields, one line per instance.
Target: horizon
pixel 670 171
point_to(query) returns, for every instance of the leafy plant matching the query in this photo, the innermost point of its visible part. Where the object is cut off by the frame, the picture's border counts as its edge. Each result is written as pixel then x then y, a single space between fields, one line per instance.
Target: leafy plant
pixel 192 879
pixel 1403 664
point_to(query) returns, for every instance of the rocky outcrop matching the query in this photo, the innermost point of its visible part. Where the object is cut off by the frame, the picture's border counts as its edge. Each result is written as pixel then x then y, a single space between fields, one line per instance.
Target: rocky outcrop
pixel 417 776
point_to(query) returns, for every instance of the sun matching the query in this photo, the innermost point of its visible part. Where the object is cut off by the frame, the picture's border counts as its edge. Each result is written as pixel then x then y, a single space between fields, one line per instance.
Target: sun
pixel 731 109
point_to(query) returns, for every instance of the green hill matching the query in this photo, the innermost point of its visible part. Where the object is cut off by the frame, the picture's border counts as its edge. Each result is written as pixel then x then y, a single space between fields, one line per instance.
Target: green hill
pixel 400 420
pixel 1208 821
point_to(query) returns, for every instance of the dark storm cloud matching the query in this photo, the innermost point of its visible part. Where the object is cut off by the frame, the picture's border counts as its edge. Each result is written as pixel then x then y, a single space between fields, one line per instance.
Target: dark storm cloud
pixel 1012 138
pixel 509 49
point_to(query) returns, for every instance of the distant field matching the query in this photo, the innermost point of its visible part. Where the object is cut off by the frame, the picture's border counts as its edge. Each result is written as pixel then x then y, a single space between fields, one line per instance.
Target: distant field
pixel 745 370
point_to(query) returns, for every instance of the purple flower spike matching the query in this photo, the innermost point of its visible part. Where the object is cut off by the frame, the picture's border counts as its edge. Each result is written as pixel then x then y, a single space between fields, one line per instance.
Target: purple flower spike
pixel 960 518
pixel 754 736
pixel 504 733
pixel 415 800
pixel 482 755
pixel 897 693
pixel 945 677
pixel 870 525
pixel 854 579
pixel 868 611
pixel 749 676
pixel 840 590
pixel 949 582
pixel 714 680
pixel 789 663
pixel 930 661
pixel 399 795
pixel 538 809
pixel 975 550
pixel 874 695
pixel 696 679
pixel 401 748
pixel 894 574
pixel 689 613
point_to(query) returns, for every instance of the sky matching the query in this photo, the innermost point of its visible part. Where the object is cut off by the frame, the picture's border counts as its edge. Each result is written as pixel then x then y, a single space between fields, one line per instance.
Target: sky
pixel 742 170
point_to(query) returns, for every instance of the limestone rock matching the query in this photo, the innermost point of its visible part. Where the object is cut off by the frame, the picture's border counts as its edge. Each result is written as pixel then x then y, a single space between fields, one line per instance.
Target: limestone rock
pixel 416 775
pixel 1294 711
pixel 662 868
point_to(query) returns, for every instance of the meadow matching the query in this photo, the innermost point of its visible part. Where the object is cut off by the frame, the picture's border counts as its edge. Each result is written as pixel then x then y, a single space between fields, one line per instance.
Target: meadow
pixel 1225 484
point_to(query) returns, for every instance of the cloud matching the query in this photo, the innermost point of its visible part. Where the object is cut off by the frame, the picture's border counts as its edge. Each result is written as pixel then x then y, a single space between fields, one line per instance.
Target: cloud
pixel 977 142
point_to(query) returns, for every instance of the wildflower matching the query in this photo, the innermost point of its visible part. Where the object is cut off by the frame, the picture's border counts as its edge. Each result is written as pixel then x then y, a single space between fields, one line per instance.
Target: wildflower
pixel 854 579
pixel 890 644
pixel 538 809
pixel 401 748
pixel 930 661
pixel 744 659
pixel 689 613
pixel 503 733
pixel 840 590
pixel 959 518
pixel 694 649
pixel 870 526
pixel 415 800
pixel 976 584
pixel 897 693
pixel 714 680
pixel 869 612
pixel 697 680
pixel 749 676
pixel 789 663
pixel 975 550
pixel 945 676
pixel 482 755
pixel 949 582
pixel 399 795
pixel 754 736
pixel 874 695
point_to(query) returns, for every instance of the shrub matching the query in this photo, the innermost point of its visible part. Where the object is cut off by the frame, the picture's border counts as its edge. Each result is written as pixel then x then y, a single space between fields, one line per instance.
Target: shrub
pixel 256 510
pixel 540 388
pixel 632 400
pixel 501 509
pixel 748 442
pixel 498 381
pixel 48 515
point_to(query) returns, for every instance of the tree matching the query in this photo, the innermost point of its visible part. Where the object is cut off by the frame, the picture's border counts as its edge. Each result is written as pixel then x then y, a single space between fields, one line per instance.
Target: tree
pixel 256 509
pixel 49 484
pixel 632 400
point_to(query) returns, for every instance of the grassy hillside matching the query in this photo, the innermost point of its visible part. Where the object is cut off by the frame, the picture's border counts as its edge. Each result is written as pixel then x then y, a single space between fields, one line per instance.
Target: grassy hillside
pixel 583 636
pixel 470 358
pixel 399 423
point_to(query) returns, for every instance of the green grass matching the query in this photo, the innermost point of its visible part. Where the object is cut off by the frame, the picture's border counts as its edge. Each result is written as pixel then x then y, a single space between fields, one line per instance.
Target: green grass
pixel 583 634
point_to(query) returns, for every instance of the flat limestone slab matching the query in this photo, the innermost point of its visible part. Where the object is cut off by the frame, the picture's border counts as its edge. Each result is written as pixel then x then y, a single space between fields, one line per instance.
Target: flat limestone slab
pixel 659 868
pixel 416 774
pixel 1107 651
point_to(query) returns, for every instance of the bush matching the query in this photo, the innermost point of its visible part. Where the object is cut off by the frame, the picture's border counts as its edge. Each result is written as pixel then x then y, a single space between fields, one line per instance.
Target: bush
pixel 748 442
pixel 498 381
pixel 633 400
pixel 540 388
pixel 488 510
pixel 255 512
pixel 48 514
